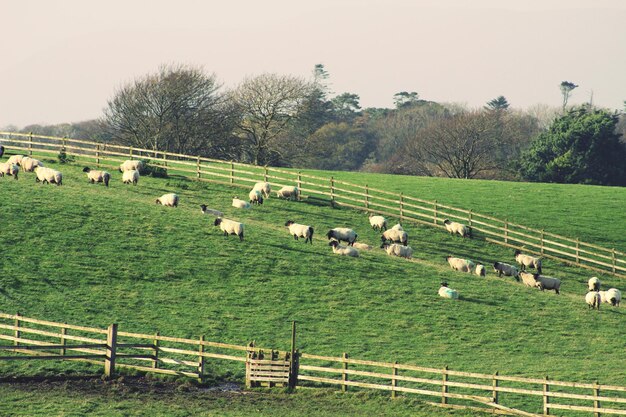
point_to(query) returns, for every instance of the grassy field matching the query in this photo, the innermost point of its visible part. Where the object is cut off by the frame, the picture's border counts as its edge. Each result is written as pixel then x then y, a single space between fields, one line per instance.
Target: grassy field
pixel 89 255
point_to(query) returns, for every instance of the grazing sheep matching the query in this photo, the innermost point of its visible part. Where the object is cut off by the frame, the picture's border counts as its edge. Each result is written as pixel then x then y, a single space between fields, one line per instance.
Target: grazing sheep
pixel 230 227
pixel 206 210
pixel 378 222
pixel 446 292
pixel 131 165
pixel 289 192
pixel 29 164
pixel 594 284
pixel 547 283
pixel 362 246
pixel 399 250
pixel 48 175
pixel 130 176
pixel 398 227
pixel 343 250
pixel 300 230
pixel 613 296
pixel 461 229
pixel 97 176
pixel 506 269
pixel 169 200
pixel 9 168
pixel 463 265
pixel 342 234
pixel 16 159
pixel 527 261
pixel 394 236
pixel 256 197
pixel 237 203
pixel 593 299
pixel 263 187
pixel 480 270
pixel 528 279
pixel 1 150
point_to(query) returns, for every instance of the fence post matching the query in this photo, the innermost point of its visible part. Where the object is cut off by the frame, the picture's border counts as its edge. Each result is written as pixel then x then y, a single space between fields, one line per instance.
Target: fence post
pixel 98 155
pixel 495 388
pixel 111 349
pixel 542 236
pixel 164 159
pixel 198 166
pixel 332 191
pixel 63 341
pixel 435 206
pixel 130 152
pixel 546 397
pixel 201 360
pixel 470 219
pixel 30 143
pixel 596 402
pixel 17 331
pixel 344 375
pixel 293 363
pixel 265 174
pixel 367 198
pixel 444 385
pixel 155 348
pixel 394 381
pixel 232 172
pixel 299 186
pixel 506 231
pixel 401 207
pixel 613 260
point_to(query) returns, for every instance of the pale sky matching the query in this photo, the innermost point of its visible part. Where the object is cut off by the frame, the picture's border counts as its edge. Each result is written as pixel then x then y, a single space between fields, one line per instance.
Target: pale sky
pixel 60 61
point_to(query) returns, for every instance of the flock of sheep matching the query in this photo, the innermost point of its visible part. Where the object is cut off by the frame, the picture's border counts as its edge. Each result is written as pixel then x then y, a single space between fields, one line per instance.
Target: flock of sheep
pixel 394 240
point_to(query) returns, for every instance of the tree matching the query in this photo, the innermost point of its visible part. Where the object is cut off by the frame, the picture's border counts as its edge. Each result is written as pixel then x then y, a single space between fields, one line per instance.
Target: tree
pixel 339 146
pixel 178 109
pixel 498 103
pixel 346 106
pixel 405 99
pixel 580 147
pixel 268 104
pixel 566 90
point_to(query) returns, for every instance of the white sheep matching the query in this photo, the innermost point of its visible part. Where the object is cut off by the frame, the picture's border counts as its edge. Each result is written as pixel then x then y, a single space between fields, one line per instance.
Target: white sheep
pixel 506 269
pixel 398 227
pixel 394 236
pixel 528 279
pixel 300 230
pixel 378 222
pixel 547 283
pixel 342 234
pixel 289 192
pixel 16 159
pixel 343 250
pixel 594 284
pixel 206 210
pixel 463 265
pixel 362 246
pixel 131 165
pixel 264 187
pixel 9 168
pixel 527 261
pixel 480 270
pixel 593 299
pixel 97 176
pixel 29 164
pixel 399 250
pixel 454 227
pixel 256 197
pixel 48 175
pixel 169 200
pixel 230 227
pixel 613 296
pixel 130 176
pixel 446 292
pixel 237 203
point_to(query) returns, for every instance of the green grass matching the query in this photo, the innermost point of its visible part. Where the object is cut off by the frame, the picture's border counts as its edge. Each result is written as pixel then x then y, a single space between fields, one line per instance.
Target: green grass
pixel 89 255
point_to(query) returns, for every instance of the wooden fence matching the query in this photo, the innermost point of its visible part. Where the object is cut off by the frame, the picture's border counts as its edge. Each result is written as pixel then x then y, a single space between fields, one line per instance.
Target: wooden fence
pixel 34 339
pixel 335 192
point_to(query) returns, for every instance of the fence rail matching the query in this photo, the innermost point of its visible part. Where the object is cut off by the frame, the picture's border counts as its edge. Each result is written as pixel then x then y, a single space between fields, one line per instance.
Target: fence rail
pixel 372 200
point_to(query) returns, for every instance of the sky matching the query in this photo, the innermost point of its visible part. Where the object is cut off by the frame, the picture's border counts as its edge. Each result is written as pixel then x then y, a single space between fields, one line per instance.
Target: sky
pixel 60 61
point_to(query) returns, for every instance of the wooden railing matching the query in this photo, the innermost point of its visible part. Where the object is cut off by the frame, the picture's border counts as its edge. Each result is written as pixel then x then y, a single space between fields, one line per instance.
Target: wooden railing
pixel 362 197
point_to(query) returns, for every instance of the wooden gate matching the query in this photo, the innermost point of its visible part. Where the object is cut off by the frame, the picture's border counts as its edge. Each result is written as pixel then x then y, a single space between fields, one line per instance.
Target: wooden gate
pixel 272 369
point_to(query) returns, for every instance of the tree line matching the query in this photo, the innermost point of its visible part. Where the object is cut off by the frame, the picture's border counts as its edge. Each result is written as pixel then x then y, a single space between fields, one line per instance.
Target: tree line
pixel 283 120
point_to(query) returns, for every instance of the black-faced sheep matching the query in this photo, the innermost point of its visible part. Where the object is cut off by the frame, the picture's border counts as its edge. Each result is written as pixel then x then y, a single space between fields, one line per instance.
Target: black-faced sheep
pixel 48 175
pixel 264 187
pixel 169 200
pixel 547 283
pixel 206 210
pixel 463 265
pixel 528 279
pixel 97 176
pixel 256 197
pixel 527 261
pixel 131 176
pixel 378 223
pixel 399 250
pixel 394 236
pixel 454 227
pixel 506 269
pixel 446 292
pixel 288 192
pixel 480 270
pixel 300 230
pixel 593 284
pixel 29 164
pixel 230 227
pixel 342 234
pixel 593 299
pixel 1 150
pixel 612 296
pixel 398 227
pixel 362 246
pixel 237 203
pixel 9 169
pixel 131 165
pixel 16 159
pixel 343 250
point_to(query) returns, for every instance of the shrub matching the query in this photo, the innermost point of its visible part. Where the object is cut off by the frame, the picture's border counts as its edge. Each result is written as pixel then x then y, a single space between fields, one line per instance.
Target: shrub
pixel 152 170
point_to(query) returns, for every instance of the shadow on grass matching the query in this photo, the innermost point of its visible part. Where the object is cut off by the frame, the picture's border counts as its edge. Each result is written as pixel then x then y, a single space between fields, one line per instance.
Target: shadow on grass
pixel 478 301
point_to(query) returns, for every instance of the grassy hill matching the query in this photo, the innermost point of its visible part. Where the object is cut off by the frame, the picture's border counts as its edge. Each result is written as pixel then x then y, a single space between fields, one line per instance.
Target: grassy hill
pixel 89 255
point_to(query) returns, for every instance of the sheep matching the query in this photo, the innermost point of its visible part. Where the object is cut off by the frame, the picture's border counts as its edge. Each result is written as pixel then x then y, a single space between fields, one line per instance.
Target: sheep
pixel 97 176
pixel 230 227
pixel 9 168
pixel 398 227
pixel 394 236
pixel 593 284
pixel 264 187
pixel 130 176
pixel 527 261
pixel 256 197
pixel 131 165
pixel 362 246
pixel 528 279
pixel 593 299
pixel 1 150
pixel 613 296
pixel 399 250
pixel 463 265
pixel 343 250
pixel 461 229
pixel 342 234
pixel 29 164
pixel 169 200
pixel 480 270
pixel 289 192
pixel 237 203
pixel 16 159
pixel 206 210
pixel 547 283
pixel 48 175
pixel 378 222
pixel 446 292
pixel 300 230
pixel 506 269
